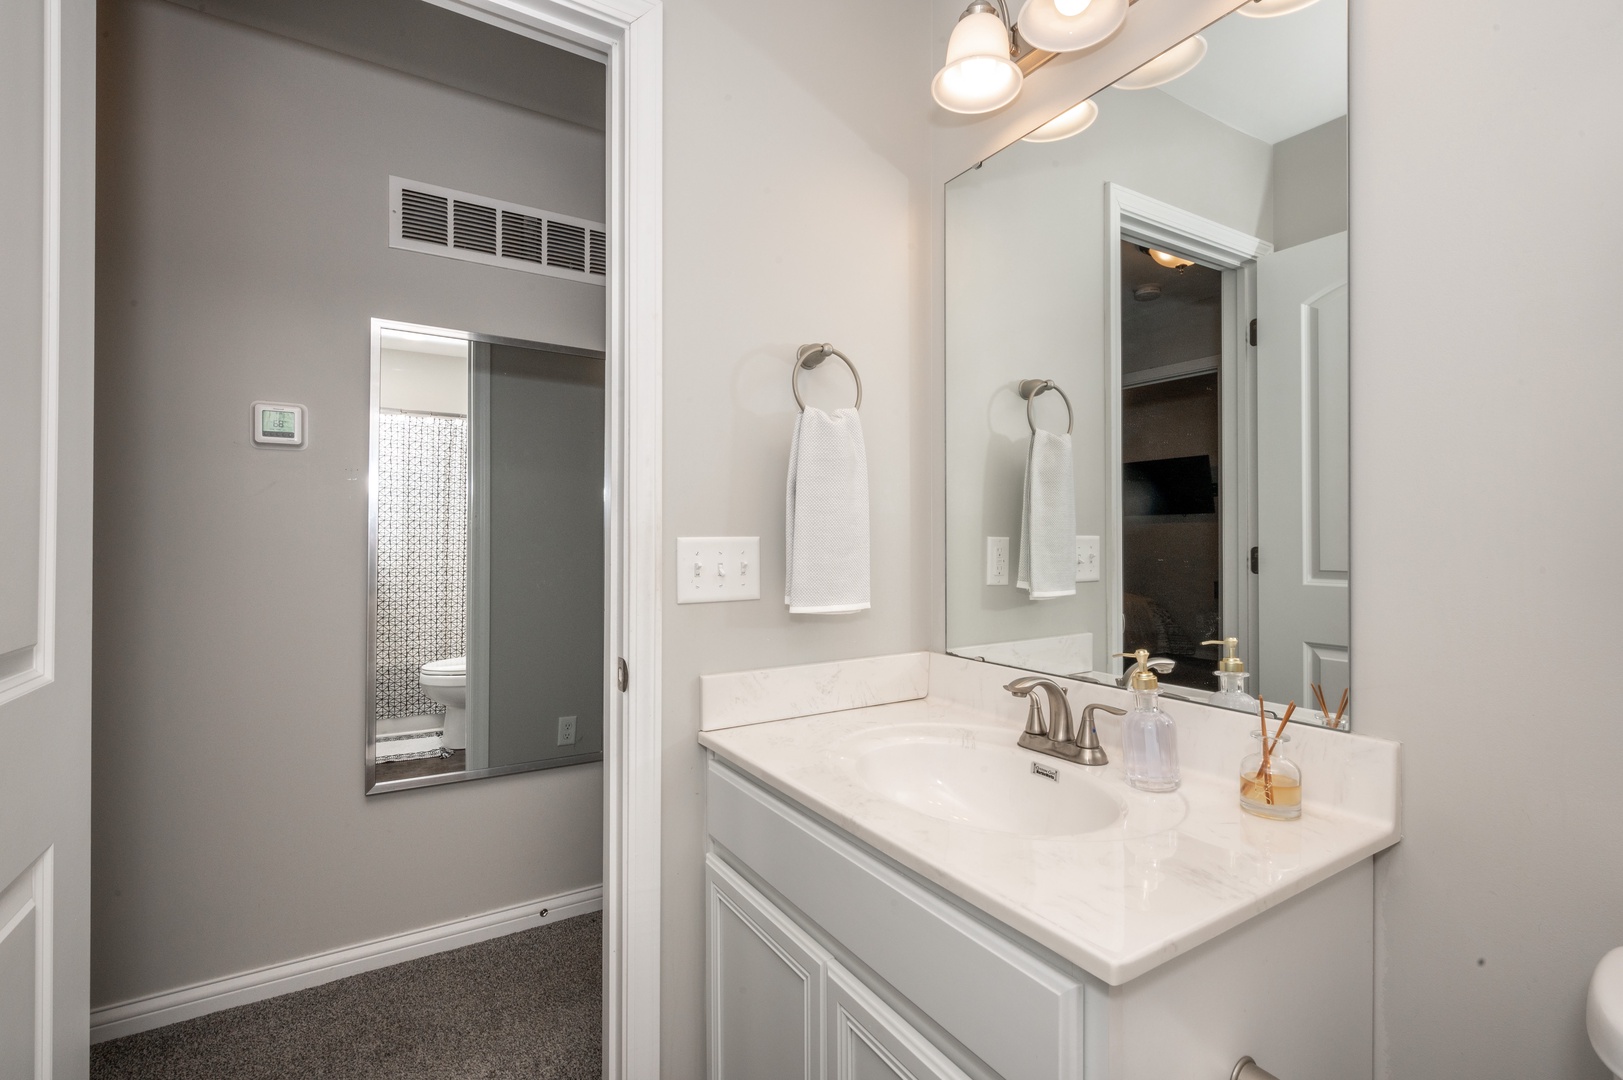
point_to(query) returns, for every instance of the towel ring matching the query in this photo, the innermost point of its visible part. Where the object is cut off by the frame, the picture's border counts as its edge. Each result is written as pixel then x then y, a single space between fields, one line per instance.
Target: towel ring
pixel 808 357
pixel 1030 389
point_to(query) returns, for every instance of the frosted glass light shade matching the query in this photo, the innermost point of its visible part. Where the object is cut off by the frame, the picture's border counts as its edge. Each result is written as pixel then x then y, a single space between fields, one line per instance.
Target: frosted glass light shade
pixel 1178 60
pixel 1047 24
pixel 1073 121
pixel 978 75
pixel 1267 9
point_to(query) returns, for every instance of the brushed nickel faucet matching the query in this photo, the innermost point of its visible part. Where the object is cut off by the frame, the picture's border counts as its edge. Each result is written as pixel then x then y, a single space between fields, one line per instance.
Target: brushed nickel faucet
pixel 1057 738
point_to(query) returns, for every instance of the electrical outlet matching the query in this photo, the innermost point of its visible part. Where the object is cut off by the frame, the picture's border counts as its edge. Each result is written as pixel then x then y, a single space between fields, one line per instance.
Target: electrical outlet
pixel 566 731
pixel 1087 558
pixel 712 569
pixel 997 560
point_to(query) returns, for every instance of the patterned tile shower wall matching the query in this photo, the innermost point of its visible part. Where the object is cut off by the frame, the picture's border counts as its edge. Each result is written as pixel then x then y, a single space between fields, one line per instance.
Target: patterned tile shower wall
pixel 422 554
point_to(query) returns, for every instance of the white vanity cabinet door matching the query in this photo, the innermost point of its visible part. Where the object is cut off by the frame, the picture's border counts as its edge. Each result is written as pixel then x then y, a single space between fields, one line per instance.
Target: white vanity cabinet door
pixel 868 1041
pixel 765 982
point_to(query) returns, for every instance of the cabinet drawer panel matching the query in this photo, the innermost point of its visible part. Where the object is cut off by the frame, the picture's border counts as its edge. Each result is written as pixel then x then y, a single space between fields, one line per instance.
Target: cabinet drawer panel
pixel 1015 1012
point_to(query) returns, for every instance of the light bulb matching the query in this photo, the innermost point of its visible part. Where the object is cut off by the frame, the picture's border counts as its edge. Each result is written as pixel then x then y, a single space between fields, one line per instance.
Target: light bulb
pixel 1067 25
pixel 1072 121
pixel 1176 61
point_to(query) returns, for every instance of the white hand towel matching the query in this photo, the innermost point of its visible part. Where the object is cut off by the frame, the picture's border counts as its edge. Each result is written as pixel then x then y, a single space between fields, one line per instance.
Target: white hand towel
pixel 1048 519
pixel 826 572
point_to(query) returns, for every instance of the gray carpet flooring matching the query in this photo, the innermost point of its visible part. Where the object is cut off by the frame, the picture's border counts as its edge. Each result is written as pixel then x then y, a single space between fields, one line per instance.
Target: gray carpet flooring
pixel 526 1005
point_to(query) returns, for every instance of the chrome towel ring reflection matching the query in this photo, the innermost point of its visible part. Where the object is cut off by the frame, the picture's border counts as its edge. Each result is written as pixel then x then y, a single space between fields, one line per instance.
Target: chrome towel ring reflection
pixel 1030 389
pixel 808 357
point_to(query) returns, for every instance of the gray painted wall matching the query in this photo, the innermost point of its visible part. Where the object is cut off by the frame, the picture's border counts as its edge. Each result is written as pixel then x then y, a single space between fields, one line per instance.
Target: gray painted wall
pixel 1487 466
pixel 1310 184
pixel 796 203
pixel 242 250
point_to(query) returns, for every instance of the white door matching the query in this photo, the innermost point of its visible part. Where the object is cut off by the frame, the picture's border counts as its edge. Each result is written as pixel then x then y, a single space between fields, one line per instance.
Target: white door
pixel 868 1041
pixel 1302 478
pixel 47 252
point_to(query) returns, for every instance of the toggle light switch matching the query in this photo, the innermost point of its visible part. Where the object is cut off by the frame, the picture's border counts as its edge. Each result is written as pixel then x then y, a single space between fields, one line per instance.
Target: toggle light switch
pixel 724 568
pixel 1087 558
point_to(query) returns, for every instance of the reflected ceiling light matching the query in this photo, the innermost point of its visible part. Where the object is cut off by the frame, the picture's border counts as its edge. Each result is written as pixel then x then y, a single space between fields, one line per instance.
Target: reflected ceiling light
pixel 1067 25
pixel 979 75
pixel 1178 60
pixel 1168 260
pixel 1267 9
pixel 1073 121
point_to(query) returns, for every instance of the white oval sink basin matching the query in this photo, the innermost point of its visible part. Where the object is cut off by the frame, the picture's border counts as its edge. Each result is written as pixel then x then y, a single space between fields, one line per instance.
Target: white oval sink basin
pixel 980 781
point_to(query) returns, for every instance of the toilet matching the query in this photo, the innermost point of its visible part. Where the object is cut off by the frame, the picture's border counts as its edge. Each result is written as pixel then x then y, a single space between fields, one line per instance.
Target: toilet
pixel 1605 1016
pixel 446 681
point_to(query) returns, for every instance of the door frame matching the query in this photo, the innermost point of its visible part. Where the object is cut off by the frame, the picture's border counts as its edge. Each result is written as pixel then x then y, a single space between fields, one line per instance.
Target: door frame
pixel 628 36
pixel 1130 215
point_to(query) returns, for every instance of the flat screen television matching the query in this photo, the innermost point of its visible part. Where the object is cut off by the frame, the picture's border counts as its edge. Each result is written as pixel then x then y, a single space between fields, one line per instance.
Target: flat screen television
pixel 1169 486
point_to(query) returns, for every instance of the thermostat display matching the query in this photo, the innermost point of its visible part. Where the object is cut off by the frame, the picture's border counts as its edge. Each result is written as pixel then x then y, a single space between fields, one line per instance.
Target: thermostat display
pixel 278 424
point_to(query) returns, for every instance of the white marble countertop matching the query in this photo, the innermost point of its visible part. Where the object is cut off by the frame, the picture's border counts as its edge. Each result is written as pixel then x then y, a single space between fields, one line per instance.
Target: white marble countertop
pixel 1171 872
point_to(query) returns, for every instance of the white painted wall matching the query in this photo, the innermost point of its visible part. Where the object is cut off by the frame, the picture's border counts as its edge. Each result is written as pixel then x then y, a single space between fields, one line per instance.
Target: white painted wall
pixel 242 250
pixel 796 209
pixel 1026 298
pixel 1487 140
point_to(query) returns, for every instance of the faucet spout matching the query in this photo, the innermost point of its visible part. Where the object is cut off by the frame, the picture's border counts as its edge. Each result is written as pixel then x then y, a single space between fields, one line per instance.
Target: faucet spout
pixel 1060 729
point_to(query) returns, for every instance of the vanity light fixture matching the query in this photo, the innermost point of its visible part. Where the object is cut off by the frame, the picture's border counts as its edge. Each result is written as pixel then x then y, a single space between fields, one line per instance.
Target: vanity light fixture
pixel 1168 260
pixel 1176 61
pixel 1067 25
pixel 1267 9
pixel 980 74
pixel 1073 121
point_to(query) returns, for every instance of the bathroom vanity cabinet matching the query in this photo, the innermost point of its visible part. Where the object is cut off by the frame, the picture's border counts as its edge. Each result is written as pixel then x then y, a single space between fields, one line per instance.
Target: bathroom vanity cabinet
pixel 828 959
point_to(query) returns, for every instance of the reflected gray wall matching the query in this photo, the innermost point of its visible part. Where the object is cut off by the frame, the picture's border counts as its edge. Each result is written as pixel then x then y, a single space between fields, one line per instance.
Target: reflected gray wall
pixel 1310 184
pixel 544 548
pixel 242 249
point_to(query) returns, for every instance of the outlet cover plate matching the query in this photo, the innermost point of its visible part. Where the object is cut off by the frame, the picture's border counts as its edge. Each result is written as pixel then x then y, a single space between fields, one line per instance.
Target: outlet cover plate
pixel 997 560
pixel 715 569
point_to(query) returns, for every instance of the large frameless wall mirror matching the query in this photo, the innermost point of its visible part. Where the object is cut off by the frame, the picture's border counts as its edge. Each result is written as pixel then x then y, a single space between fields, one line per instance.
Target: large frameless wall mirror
pixel 485 557
pixel 1147 375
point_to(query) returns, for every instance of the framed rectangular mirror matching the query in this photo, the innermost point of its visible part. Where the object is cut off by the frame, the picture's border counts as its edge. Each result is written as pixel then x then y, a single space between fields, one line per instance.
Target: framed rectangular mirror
pixel 1147 361
pixel 485 557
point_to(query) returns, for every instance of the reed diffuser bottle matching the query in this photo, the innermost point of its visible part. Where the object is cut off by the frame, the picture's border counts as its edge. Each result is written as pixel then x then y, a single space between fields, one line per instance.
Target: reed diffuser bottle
pixel 1231 678
pixel 1149 736
pixel 1270 782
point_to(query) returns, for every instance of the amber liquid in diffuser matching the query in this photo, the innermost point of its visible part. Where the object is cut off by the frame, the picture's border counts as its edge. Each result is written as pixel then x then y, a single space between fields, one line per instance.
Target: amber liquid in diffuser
pixel 1286 791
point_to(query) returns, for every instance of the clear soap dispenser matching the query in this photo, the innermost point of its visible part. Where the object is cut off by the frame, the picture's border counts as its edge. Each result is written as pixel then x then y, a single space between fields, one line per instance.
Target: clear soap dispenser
pixel 1231 678
pixel 1149 737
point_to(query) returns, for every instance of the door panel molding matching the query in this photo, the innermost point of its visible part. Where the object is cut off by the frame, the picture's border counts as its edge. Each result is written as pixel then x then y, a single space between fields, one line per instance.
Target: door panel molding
pixel 30 894
pixel 35 667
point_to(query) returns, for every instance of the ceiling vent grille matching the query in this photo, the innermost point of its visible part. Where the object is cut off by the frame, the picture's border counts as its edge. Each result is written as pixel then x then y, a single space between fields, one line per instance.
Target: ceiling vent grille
pixel 457 225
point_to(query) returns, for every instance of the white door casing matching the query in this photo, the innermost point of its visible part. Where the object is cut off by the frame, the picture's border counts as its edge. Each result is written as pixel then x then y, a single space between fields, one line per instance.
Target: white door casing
pixel 628 36
pixel 1302 471
pixel 1132 216
pixel 47 238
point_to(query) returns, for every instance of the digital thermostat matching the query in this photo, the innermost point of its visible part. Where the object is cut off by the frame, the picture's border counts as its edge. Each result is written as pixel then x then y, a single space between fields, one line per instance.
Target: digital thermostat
pixel 278 424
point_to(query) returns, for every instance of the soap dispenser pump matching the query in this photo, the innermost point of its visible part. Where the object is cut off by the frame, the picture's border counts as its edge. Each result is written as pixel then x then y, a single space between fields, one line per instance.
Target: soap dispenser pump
pixel 1231 678
pixel 1149 736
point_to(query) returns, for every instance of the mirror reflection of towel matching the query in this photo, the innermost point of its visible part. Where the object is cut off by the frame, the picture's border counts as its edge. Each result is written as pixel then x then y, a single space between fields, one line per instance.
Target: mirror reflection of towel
pixel 1048 518
pixel 826 525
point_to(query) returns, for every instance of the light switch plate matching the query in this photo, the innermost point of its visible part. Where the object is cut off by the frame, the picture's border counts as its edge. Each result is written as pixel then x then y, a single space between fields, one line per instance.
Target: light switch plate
pixel 1087 558
pixel 714 569
pixel 997 560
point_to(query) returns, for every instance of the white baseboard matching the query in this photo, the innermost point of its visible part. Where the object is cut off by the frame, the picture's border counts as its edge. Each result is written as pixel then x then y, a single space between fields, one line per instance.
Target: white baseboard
pixel 200 999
